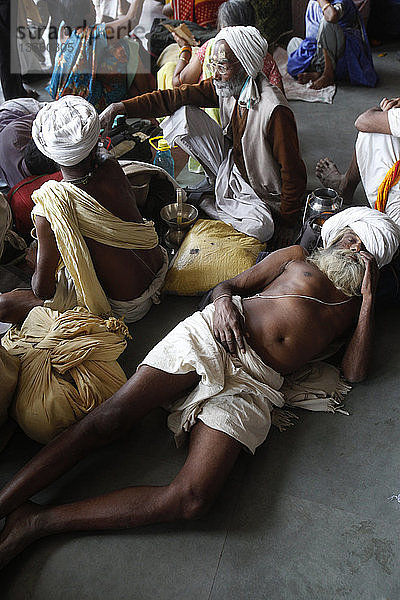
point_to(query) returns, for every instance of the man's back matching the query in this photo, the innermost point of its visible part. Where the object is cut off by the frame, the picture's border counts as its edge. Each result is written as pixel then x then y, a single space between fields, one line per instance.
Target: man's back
pixel 124 274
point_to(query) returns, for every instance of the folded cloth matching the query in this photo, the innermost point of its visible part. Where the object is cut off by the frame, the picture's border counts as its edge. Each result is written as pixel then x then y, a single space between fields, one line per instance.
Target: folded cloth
pixel 378 232
pixel 235 394
pixel 68 367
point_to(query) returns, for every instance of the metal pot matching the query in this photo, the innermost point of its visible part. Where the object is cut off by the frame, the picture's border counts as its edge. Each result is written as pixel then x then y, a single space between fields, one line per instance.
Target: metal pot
pixel 321 204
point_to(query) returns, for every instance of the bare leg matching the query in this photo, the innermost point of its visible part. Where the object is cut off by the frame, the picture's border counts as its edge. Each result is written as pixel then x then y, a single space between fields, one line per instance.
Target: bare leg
pixel 212 455
pixel 145 390
pixel 344 183
pixel 15 305
pixel 327 77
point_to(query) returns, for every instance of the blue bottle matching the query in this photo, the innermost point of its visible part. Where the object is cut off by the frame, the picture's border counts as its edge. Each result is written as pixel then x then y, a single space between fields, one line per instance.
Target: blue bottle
pixel 163 157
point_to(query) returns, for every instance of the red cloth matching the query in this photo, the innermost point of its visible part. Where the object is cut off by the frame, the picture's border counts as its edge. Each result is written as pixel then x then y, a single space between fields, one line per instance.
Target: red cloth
pixel 19 198
pixel 202 12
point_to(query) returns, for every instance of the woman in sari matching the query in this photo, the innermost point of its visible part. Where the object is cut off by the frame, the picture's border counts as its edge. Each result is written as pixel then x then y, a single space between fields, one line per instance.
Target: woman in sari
pixel 95 61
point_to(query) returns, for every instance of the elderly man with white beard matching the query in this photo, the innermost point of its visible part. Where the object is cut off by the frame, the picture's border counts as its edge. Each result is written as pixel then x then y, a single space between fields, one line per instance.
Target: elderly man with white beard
pixel 254 157
pixel 221 373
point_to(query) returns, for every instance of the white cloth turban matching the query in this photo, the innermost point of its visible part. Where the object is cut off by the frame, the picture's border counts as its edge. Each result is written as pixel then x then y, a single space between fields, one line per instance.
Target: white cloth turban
pixel 250 48
pixel 66 130
pixel 378 232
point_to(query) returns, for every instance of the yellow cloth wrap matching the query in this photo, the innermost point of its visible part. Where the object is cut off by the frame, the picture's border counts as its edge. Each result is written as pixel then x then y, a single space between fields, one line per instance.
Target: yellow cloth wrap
pixel 211 252
pixel 73 214
pixel 68 367
pixel 391 178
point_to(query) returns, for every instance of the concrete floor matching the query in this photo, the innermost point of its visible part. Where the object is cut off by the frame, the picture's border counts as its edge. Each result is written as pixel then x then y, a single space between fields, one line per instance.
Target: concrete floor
pixel 308 518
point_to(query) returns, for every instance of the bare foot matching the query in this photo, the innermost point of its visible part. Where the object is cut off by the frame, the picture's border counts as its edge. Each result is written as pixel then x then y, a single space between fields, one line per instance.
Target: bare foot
pixel 21 530
pixel 322 82
pixel 329 175
pixel 306 77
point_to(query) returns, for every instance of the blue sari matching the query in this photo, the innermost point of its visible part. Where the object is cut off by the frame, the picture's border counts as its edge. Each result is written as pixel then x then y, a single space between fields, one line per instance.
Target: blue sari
pixel 355 65
pixel 88 65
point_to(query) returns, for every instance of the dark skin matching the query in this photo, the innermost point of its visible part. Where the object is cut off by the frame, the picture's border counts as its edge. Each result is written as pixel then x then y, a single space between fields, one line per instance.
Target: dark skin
pixel 122 273
pixel 286 333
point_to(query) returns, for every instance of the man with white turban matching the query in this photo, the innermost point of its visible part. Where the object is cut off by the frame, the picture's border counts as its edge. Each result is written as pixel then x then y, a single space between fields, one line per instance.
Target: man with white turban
pixel 253 158
pixel 376 160
pixel 379 234
pixel 94 249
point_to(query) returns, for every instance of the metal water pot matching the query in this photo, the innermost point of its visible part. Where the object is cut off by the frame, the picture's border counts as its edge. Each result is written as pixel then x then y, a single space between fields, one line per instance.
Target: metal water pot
pixel 321 204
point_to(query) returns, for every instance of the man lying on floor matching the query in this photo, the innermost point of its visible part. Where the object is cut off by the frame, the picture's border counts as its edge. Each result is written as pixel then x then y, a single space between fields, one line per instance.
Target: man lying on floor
pixel 111 260
pixel 219 373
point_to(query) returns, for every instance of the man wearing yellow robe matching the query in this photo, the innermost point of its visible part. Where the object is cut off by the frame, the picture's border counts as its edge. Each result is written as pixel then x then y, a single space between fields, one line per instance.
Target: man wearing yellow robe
pixel 94 249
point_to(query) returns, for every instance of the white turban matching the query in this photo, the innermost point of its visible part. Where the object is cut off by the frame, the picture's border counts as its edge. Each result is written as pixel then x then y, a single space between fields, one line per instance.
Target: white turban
pixel 378 232
pixel 250 48
pixel 66 130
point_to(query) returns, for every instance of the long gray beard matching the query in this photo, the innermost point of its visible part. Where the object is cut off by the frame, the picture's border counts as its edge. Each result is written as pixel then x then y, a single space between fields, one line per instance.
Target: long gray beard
pixel 226 89
pixel 345 273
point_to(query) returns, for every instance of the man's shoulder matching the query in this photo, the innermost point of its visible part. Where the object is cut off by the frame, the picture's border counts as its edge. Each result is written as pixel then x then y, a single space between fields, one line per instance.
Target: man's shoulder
pixel 283 256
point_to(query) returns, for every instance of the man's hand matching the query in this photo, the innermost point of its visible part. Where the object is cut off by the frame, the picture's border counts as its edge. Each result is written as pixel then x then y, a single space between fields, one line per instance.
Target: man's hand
pixel 229 327
pixel 388 103
pixel 371 275
pixel 108 115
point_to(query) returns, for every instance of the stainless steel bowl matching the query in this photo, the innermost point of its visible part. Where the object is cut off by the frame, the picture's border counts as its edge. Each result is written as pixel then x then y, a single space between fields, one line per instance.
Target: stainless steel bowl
pixel 189 215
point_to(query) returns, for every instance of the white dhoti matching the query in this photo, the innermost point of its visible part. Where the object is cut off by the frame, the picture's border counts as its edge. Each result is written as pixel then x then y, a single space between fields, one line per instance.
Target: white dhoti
pixel 234 395
pixel 236 203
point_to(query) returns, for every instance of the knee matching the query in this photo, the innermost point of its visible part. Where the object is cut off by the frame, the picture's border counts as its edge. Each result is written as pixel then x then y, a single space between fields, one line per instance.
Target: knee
pixel 107 421
pixel 192 503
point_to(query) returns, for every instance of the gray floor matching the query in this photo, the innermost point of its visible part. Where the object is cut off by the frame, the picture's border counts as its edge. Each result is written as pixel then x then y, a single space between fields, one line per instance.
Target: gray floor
pixel 309 517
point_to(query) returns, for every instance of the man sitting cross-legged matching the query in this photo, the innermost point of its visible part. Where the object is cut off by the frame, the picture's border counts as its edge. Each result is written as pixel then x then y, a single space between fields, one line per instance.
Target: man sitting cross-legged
pixel 376 161
pixel 112 263
pixel 219 373
pixel 253 158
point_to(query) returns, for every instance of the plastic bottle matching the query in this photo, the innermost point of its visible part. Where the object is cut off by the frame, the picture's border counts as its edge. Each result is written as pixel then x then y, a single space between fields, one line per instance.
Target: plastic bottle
pixel 163 157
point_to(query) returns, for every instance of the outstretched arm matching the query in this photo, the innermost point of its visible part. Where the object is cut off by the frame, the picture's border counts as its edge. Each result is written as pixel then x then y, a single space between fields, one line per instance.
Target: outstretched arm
pixel 161 103
pixel 229 327
pixel 357 356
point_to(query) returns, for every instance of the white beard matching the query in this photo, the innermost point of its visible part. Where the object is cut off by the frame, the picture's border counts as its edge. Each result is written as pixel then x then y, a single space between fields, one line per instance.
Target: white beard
pixel 226 89
pixel 344 268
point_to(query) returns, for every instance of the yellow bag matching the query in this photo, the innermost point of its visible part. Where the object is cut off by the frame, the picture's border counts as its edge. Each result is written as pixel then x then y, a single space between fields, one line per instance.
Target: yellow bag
pixel 211 252
pixel 68 367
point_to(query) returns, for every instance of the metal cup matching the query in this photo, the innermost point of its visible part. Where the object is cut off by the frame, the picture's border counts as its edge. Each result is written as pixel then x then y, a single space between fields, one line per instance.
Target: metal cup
pixel 177 231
